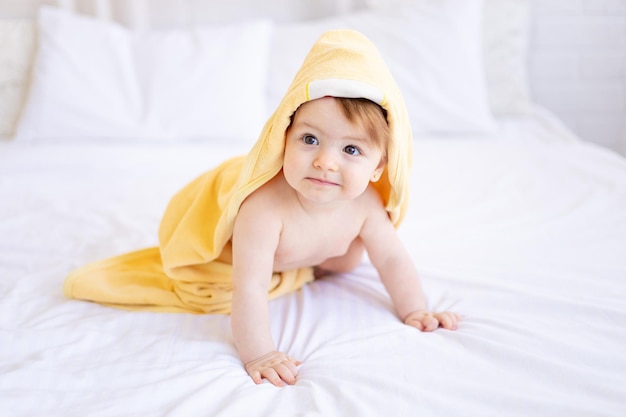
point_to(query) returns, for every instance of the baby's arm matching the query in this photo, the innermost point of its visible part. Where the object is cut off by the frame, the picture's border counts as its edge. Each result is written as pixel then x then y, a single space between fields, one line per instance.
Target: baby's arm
pixel 399 275
pixel 254 244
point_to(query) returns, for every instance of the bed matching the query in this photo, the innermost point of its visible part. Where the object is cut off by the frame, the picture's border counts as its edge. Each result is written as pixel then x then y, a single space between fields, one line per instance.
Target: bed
pixel 514 223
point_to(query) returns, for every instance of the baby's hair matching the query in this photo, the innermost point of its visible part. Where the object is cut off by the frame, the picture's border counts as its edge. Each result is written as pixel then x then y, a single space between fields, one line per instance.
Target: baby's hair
pixel 368 114
pixel 371 116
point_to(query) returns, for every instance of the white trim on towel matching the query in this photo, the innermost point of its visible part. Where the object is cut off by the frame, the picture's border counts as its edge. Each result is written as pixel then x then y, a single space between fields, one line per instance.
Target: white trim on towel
pixel 337 87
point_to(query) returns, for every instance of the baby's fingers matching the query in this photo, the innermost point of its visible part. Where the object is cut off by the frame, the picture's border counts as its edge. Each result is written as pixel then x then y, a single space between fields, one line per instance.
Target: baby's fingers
pixel 427 321
pixel 271 375
pixel 256 377
pixel 415 322
pixel 279 374
pixel 430 323
pixel 276 367
pixel 287 372
pixel 448 320
pixel 423 321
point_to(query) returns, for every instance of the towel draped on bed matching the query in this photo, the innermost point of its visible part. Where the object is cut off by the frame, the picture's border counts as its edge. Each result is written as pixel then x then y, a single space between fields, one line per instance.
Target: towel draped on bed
pixel 190 271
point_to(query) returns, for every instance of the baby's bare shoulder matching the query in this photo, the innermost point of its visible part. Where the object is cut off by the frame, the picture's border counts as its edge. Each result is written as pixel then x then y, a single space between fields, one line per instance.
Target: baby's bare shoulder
pixel 260 204
pixel 375 215
pixel 371 200
pixel 268 197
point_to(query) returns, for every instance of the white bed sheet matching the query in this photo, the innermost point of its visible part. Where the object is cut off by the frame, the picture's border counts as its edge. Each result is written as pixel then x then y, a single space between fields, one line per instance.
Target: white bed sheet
pixel 524 234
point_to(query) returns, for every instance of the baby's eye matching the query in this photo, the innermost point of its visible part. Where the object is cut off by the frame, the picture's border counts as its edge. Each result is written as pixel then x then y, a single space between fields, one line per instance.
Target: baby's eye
pixel 352 150
pixel 309 139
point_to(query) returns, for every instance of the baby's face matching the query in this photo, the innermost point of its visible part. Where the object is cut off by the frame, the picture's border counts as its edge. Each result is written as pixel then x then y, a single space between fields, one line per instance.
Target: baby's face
pixel 328 158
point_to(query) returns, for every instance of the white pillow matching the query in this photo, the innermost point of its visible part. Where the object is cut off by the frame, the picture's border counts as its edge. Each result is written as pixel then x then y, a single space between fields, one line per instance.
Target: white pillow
pixel 94 79
pixel 17 50
pixel 506 33
pixel 433 48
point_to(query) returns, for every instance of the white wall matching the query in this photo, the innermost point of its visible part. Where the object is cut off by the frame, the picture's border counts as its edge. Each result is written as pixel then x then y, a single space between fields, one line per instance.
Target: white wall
pixel 578 66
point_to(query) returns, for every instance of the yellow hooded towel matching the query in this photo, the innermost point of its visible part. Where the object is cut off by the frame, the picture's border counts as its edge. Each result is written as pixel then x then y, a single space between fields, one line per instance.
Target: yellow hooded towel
pixel 190 271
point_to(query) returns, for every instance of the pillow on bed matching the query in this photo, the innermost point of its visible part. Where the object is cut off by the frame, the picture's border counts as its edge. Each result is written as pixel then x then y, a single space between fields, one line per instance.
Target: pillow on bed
pixel 95 79
pixel 433 48
pixel 506 32
pixel 17 37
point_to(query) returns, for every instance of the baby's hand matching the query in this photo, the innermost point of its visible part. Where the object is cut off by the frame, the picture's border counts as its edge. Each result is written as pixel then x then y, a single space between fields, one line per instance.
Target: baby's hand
pixel 276 367
pixel 427 321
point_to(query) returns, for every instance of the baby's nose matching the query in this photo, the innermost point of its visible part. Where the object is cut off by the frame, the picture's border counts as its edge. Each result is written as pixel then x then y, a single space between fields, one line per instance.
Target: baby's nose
pixel 325 160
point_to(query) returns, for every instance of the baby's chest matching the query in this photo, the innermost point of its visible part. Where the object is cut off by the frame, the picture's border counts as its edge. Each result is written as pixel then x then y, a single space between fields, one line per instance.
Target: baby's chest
pixel 312 244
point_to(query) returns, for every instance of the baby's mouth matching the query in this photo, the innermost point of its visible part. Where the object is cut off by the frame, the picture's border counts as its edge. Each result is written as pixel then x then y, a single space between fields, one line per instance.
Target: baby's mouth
pixel 321 181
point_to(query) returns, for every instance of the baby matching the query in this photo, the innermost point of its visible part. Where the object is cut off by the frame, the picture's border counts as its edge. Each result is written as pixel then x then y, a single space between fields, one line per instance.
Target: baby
pixel 320 210
pixel 326 180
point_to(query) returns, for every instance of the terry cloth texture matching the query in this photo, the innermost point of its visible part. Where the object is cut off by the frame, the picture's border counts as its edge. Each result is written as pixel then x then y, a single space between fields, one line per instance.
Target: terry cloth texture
pixel 190 271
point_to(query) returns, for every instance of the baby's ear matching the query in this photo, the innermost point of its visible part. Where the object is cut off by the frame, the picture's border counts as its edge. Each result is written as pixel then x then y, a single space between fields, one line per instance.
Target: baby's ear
pixel 379 170
pixel 376 174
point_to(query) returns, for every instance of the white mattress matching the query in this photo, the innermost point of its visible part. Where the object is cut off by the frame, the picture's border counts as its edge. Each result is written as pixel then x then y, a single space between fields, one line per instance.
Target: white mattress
pixel 523 233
